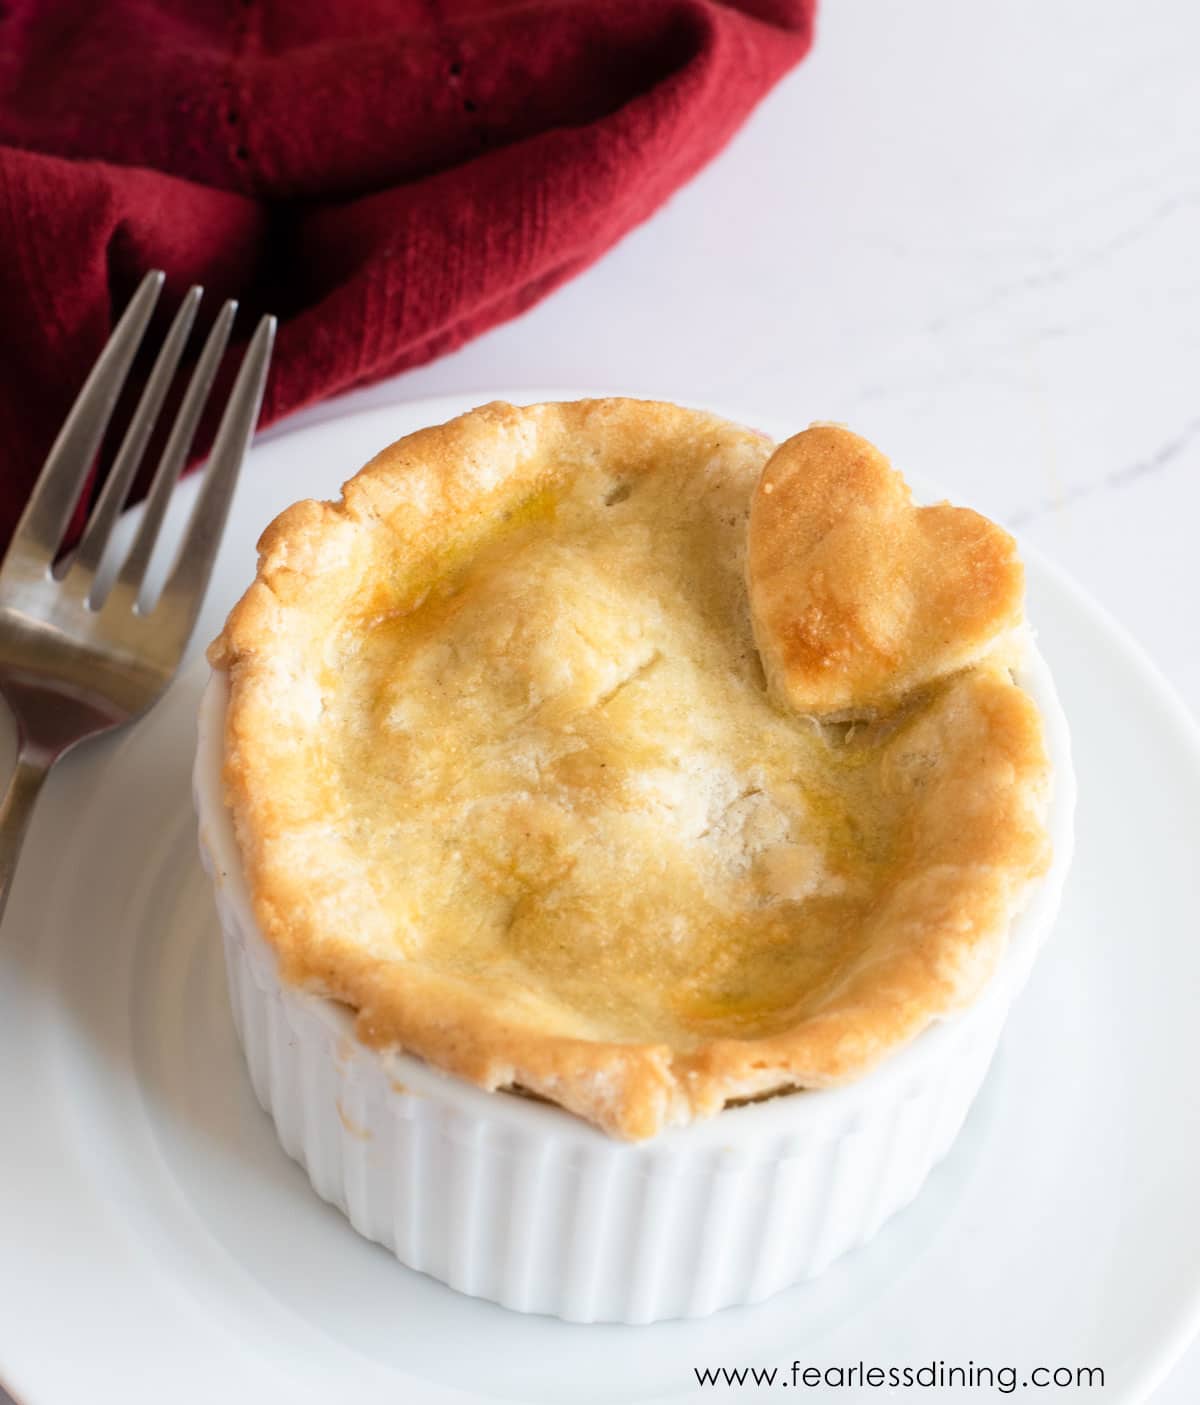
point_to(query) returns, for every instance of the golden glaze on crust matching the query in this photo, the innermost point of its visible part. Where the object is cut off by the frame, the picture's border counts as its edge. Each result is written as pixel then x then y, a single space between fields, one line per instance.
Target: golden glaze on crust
pixel 858 597
pixel 507 782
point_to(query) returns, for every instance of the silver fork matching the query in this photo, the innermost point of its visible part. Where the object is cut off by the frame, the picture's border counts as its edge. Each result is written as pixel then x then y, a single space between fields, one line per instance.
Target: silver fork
pixel 78 656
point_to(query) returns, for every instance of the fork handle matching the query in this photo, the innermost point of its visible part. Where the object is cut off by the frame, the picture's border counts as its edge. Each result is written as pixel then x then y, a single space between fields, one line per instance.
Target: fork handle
pixel 15 809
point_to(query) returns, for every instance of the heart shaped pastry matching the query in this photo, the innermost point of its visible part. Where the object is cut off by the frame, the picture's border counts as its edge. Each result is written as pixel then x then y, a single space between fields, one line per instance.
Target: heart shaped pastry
pixel 857 596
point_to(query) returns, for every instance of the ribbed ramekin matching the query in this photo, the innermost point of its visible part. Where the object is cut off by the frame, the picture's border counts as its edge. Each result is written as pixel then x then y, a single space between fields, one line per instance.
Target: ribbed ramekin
pixel 517 1201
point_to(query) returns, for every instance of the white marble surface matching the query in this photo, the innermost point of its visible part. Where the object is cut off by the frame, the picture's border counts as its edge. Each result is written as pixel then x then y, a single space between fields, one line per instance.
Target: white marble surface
pixel 971 232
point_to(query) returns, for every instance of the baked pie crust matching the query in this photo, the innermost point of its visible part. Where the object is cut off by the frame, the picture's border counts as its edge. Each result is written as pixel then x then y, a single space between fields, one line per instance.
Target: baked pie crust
pixel 603 751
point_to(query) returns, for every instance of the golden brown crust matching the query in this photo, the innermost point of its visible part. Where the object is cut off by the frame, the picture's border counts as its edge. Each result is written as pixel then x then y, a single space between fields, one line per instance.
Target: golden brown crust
pixel 956 787
pixel 859 597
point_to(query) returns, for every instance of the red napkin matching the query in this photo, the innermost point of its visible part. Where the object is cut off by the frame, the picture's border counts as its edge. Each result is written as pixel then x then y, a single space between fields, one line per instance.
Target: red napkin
pixel 390 177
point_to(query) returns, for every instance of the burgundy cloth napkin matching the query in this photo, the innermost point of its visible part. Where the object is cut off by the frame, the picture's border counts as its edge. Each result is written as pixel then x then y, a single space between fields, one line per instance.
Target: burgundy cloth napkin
pixel 390 177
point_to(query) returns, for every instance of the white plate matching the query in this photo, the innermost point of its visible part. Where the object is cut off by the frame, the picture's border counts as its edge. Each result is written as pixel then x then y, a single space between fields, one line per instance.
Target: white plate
pixel 156 1244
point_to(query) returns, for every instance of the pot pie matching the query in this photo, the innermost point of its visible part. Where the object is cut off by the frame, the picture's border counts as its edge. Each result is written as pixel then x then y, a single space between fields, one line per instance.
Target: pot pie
pixel 606 752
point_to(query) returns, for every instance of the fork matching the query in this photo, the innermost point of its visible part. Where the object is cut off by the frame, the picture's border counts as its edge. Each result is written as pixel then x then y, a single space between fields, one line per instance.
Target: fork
pixel 80 655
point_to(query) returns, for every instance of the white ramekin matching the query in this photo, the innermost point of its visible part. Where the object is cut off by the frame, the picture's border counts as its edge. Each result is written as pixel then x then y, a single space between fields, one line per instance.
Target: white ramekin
pixel 517 1201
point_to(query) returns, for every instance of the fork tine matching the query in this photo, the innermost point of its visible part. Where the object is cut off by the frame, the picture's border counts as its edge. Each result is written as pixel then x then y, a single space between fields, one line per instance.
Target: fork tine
pixel 61 480
pixel 175 453
pixel 185 586
pixel 133 446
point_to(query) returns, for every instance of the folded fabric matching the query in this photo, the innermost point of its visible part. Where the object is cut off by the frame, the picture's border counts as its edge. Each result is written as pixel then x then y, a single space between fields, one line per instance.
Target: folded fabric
pixel 390 177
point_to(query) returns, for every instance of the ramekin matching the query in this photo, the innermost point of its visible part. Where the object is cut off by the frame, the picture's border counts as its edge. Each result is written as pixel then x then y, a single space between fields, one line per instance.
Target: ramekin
pixel 519 1202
